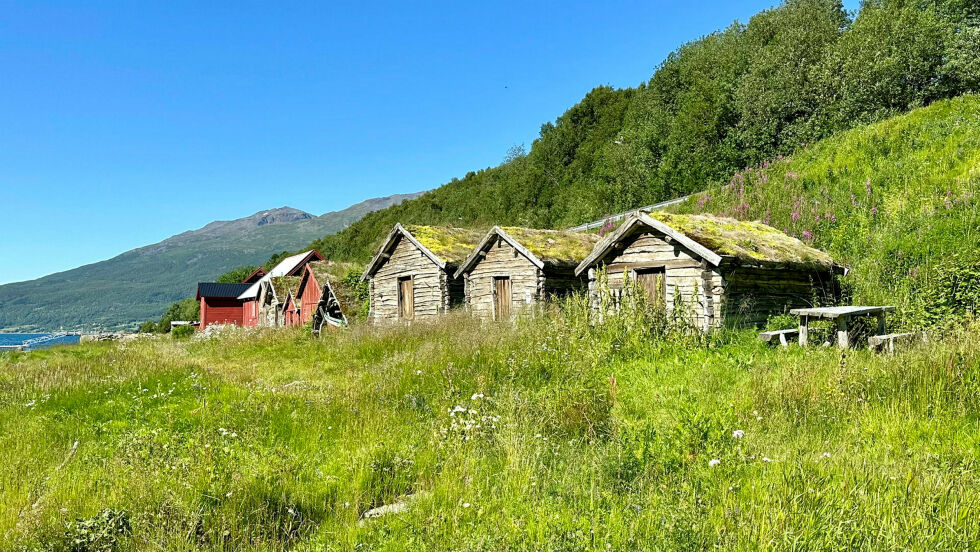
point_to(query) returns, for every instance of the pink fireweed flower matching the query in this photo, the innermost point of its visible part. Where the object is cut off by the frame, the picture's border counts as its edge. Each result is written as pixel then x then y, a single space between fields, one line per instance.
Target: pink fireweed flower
pixel 874 211
pixel 794 215
pixel 867 186
pixel 807 235
pixel 853 200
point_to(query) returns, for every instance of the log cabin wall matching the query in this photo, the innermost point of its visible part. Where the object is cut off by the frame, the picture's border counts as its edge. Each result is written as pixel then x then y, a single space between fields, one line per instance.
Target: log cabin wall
pixel 756 293
pixel 268 308
pixel 432 293
pixel 688 281
pixel 560 281
pixel 502 260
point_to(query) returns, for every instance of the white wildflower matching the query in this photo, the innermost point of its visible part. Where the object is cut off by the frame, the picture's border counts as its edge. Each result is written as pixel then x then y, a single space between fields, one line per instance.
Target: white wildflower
pixel 738 434
pixel 826 455
pixel 766 459
pixel 228 495
pixel 714 462
pixel 476 396
pixel 466 505
pixel 418 372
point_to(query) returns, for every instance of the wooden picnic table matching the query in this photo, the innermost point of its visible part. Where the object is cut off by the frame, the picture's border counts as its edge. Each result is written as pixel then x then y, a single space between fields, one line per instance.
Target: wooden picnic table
pixel 842 316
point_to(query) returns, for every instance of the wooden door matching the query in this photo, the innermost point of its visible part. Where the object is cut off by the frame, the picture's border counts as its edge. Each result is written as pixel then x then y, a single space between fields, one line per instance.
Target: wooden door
pixel 501 297
pixel 406 298
pixel 654 283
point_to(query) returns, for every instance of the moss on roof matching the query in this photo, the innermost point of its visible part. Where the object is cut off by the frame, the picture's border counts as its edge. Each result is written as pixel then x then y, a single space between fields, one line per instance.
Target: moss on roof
pixel 334 273
pixel 450 244
pixel 745 240
pixel 282 285
pixel 554 246
pixel 330 271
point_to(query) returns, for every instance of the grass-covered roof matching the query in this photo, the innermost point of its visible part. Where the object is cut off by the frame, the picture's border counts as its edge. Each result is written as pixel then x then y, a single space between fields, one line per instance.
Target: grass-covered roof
pixel 333 272
pixel 450 244
pixel 554 246
pixel 282 285
pixel 745 240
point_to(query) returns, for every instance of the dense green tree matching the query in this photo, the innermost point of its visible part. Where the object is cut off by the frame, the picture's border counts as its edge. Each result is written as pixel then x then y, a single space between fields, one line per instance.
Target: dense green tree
pixel 236 275
pixel 186 309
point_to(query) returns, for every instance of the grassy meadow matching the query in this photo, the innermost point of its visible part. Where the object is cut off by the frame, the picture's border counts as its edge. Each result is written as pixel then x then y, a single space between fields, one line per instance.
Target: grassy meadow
pixel 542 434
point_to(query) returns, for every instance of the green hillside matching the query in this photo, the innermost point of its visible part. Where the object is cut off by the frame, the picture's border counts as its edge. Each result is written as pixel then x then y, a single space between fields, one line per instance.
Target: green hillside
pixel 789 77
pixel 896 201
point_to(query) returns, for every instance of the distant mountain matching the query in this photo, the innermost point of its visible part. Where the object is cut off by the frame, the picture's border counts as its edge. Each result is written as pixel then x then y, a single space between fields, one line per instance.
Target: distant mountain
pixel 139 284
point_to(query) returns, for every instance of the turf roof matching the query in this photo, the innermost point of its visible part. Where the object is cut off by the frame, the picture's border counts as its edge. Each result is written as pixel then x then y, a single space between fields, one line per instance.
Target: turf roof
pixel 283 285
pixel 745 240
pixel 450 244
pixel 333 272
pixel 554 246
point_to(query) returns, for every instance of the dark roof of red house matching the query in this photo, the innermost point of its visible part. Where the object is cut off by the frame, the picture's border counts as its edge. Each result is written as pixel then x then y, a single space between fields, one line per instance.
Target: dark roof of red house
pixel 222 291
pixel 254 276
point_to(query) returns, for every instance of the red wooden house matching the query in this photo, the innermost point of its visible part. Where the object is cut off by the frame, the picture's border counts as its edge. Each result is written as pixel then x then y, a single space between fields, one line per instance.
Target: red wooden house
pixel 220 303
pixel 250 307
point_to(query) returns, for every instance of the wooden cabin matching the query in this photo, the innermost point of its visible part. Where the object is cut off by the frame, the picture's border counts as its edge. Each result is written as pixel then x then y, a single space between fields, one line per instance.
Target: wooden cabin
pixel 412 275
pixel 323 300
pixel 513 268
pixel 273 294
pixel 262 306
pixel 722 270
pixel 290 312
pixel 220 303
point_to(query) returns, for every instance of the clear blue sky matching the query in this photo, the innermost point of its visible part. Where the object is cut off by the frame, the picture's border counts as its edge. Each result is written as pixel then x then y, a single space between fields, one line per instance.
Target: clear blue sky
pixel 124 123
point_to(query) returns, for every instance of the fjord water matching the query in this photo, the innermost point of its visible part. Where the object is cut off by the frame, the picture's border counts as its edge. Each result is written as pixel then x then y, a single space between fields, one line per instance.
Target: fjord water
pixel 19 338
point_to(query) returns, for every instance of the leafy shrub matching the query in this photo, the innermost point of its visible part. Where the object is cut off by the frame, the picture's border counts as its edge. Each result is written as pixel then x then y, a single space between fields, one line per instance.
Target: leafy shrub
pixel 782 322
pixel 949 291
pixel 182 332
pixel 100 533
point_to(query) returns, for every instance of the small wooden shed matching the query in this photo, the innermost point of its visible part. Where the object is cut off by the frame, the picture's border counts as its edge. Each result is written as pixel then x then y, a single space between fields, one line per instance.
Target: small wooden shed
pixel 516 267
pixel 411 276
pixel 290 312
pixel 724 271
pixel 220 303
pixel 322 297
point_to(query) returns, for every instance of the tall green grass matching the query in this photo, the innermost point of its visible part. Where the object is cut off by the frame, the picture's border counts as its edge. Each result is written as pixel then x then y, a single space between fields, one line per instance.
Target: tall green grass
pixel 545 434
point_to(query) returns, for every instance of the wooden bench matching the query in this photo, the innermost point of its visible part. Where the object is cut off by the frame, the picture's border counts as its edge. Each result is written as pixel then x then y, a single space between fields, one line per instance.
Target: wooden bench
pixel 876 342
pixel 779 336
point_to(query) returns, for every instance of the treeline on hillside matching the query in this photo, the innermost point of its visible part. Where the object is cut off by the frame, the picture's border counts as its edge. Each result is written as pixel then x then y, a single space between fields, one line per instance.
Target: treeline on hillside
pixel 792 75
